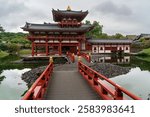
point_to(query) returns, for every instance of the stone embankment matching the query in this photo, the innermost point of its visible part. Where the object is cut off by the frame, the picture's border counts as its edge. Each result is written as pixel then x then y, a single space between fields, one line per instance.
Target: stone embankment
pixel 107 69
pixel 30 76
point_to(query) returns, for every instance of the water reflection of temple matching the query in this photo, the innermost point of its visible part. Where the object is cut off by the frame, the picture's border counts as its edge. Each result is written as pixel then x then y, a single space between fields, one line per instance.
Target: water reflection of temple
pixel 111 59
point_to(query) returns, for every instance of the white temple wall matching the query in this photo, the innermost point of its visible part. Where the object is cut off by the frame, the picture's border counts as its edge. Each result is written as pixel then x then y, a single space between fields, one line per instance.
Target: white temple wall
pixel 95 49
pixel 102 48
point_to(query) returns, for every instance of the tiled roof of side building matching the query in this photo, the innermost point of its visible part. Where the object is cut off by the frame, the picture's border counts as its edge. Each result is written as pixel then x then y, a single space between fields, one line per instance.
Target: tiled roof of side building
pixel 95 41
pixel 55 27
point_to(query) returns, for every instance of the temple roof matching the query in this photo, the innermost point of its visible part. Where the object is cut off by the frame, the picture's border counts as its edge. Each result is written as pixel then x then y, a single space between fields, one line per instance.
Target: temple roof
pixel 95 41
pixel 56 28
pixel 58 15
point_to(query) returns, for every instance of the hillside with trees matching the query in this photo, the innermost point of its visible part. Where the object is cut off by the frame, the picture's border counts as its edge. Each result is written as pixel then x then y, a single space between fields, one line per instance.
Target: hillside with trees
pixel 11 43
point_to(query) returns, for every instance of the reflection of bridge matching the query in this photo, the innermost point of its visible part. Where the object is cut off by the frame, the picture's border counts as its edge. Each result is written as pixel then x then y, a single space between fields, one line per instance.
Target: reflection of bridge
pixel 68 81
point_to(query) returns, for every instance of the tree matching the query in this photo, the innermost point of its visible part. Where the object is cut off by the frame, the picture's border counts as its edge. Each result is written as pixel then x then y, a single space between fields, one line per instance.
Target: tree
pixel 3 46
pixel 118 36
pixel 13 48
pixel 104 36
pixel 146 44
pixel 96 32
pixel 1 29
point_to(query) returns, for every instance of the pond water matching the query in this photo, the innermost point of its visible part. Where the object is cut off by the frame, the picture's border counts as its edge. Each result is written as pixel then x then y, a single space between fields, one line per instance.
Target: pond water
pixel 11 84
pixel 137 80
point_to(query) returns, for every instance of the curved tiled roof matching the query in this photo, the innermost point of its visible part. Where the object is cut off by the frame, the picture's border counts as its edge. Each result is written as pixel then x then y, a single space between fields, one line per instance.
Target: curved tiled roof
pixel 58 15
pixel 55 28
pixel 95 41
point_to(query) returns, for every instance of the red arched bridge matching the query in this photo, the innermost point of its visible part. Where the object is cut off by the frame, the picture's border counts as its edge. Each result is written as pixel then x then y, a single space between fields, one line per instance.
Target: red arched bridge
pixel 75 81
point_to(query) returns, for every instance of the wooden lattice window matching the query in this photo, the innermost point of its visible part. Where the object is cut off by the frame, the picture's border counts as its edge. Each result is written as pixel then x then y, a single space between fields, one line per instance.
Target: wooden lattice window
pixel 101 48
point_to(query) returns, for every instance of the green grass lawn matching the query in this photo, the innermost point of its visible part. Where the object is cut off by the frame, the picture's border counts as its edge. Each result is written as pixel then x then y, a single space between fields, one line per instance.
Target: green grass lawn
pixel 21 52
pixel 146 51
pixel 25 52
pixel 3 54
pixel 144 54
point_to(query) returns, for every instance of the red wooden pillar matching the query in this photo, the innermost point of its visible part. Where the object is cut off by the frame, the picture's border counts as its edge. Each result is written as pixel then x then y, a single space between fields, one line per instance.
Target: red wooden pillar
pixel 46 48
pixel 129 48
pixel 79 48
pixel 60 48
pixel 33 48
pixel 104 48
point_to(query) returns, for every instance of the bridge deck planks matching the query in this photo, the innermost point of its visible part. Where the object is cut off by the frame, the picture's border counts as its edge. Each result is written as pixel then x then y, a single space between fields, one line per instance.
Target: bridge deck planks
pixel 68 84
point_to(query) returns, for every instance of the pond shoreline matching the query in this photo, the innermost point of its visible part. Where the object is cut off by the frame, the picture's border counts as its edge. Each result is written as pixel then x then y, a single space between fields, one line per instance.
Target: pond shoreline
pixel 107 69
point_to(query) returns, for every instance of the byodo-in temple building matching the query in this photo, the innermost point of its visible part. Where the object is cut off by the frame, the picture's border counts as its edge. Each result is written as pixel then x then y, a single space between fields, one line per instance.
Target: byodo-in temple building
pixel 68 35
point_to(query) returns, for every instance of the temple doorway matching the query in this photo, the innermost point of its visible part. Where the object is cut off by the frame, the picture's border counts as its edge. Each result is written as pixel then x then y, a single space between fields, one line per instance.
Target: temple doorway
pixel 72 49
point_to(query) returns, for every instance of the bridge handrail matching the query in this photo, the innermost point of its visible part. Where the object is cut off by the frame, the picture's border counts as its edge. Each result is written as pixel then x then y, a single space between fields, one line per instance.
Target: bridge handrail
pixel 71 56
pixel 37 90
pixel 87 57
pixel 104 89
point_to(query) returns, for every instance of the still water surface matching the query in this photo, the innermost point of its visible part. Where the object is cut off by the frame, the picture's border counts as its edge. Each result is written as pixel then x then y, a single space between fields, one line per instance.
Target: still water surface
pixel 136 81
pixel 12 86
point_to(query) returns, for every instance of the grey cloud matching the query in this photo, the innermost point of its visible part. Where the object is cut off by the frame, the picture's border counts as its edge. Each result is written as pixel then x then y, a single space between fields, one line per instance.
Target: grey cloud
pixel 108 7
pixel 115 15
pixel 9 8
pixel 14 14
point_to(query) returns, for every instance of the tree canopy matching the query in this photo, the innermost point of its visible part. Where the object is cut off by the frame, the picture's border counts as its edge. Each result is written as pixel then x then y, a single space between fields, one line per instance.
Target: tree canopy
pixel 97 32
pixel 18 38
pixel 1 29
pixel 12 42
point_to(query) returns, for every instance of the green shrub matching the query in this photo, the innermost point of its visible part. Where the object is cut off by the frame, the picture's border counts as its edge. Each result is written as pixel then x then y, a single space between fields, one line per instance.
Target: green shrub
pixel 13 49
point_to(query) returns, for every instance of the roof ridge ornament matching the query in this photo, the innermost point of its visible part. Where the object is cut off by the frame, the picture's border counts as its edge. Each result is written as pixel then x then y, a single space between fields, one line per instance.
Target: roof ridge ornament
pixel 68 8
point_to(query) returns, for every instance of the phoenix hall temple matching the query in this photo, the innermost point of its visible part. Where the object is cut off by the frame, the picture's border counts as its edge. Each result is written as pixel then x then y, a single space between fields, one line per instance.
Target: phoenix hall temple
pixel 68 35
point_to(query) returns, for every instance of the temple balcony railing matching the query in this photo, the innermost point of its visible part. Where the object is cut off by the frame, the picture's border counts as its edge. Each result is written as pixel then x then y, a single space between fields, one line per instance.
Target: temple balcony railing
pixel 70 23
pixel 81 37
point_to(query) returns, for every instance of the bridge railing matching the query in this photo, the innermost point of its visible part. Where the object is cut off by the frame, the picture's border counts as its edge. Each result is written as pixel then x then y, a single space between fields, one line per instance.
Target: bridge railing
pixel 37 90
pixel 71 56
pixel 107 89
pixel 87 57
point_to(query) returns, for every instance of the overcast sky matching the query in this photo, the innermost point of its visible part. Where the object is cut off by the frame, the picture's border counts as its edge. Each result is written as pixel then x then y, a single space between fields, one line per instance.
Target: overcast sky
pixel 116 16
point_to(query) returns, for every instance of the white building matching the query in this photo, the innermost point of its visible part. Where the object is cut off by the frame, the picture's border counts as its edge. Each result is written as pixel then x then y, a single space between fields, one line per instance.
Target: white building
pixel 110 45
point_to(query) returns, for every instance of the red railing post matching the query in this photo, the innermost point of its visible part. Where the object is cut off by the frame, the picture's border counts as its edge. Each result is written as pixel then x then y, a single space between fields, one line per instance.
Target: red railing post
pixel 103 91
pixel 95 79
pixel 118 94
pixel 71 56
pixel 87 57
